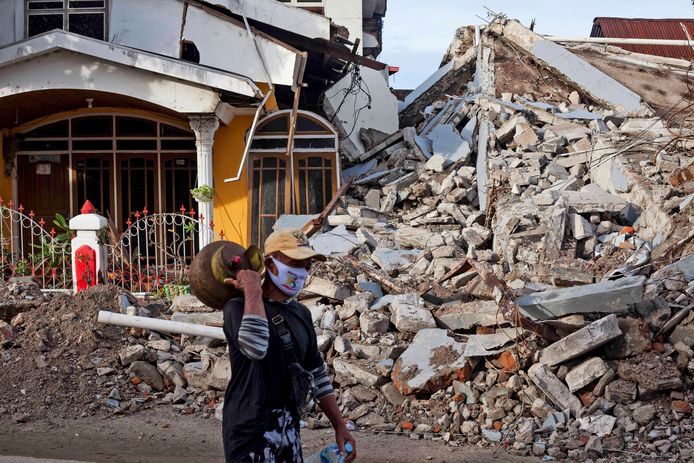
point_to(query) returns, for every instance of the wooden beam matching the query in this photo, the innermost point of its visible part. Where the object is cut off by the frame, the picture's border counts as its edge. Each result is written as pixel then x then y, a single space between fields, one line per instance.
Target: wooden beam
pixel 314 225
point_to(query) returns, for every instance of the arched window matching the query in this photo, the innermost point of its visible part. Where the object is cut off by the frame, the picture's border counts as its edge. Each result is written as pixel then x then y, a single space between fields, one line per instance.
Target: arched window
pixel 298 181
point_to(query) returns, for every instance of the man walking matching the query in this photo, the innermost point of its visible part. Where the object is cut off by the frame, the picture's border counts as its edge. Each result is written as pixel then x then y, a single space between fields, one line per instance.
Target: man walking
pixel 268 331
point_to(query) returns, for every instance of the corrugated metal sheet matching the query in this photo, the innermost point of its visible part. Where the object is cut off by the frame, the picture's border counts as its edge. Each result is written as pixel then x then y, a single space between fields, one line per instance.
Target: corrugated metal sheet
pixel 664 29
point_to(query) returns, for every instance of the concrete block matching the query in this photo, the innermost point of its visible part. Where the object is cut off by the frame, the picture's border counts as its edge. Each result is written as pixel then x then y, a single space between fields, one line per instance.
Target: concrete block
pixel 447 142
pixel 419 238
pixel 336 242
pixel 554 388
pixel 580 227
pixel 592 198
pixel 409 317
pixel 430 363
pixel 585 373
pixel 582 341
pixel 326 288
pixel 603 297
pixel 469 315
pixel 394 260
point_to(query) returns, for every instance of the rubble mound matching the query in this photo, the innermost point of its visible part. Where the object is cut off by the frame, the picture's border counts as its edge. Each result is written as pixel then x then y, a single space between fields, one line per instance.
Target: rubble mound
pixel 49 369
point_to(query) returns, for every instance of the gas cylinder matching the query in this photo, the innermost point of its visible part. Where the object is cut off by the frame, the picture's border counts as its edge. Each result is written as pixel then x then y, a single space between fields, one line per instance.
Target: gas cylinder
pixel 214 263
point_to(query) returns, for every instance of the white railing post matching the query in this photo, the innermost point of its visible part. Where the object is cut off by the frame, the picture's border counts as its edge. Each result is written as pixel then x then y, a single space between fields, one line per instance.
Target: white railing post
pixel 88 254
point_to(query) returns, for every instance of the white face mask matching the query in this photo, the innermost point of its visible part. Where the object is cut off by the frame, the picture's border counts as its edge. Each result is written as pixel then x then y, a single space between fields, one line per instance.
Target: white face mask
pixel 289 280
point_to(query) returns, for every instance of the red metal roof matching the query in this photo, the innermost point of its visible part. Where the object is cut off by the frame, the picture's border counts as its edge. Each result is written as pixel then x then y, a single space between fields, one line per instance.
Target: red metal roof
pixel 664 29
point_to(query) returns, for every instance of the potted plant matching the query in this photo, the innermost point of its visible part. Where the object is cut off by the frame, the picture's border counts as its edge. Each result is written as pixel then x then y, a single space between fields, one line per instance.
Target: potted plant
pixel 203 193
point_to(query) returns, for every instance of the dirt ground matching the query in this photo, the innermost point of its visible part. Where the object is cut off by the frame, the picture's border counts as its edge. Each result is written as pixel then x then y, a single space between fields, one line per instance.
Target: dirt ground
pixel 155 436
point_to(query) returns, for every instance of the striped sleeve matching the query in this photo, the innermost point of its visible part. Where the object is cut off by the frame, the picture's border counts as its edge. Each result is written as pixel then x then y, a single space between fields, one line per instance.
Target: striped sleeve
pixel 254 336
pixel 323 385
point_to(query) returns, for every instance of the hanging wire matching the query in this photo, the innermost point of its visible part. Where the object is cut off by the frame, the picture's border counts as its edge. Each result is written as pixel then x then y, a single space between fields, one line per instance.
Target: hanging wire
pixel 356 87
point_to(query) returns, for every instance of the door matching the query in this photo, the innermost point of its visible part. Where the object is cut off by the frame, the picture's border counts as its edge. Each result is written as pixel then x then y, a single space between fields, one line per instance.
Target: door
pixel 93 181
pixel 42 185
pixel 269 194
pixel 137 181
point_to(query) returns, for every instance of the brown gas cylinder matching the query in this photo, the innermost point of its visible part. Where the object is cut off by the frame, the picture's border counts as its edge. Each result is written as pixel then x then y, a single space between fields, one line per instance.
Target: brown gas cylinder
pixel 214 263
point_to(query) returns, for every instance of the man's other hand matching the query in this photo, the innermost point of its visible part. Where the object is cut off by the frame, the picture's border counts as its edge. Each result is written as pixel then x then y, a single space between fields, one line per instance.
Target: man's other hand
pixel 342 437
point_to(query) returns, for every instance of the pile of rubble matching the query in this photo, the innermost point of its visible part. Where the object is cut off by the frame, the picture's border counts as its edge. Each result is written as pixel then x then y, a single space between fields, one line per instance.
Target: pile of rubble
pixel 58 361
pixel 515 268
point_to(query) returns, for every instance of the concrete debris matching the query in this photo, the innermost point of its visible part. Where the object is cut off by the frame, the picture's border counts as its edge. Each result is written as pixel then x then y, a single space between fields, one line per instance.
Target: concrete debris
pixel 430 363
pixel 554 388
pixel 605 297
pixel 585 373
pixel 582 341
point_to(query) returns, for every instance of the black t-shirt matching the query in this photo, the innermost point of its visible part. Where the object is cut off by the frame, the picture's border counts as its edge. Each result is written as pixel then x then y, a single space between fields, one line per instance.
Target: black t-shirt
pixel 260 386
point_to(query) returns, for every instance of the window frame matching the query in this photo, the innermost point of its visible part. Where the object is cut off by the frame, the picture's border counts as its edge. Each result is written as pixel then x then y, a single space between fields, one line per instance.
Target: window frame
pixel 160 153
pixel 65 11
pixel 292 158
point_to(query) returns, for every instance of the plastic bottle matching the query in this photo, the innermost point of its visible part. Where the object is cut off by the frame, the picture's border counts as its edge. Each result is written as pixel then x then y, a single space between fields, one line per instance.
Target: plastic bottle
pixel 330 454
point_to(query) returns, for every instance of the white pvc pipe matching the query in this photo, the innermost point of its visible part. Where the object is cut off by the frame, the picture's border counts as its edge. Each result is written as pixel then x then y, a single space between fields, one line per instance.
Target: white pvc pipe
pixel 616 40
pixel 163 326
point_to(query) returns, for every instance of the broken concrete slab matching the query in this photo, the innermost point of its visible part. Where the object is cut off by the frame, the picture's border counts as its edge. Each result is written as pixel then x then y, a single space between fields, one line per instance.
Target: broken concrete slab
pixel 582 341
pixel 469 315
pixel 621 391
pixel 419 238
pixel 350 372
pixel 585 373
pixel 652 373
pixel 409 316
pixel 554 388
pixel 592 198
pixel 431 362
pixel 447 142
pixel 606 296
pixel 636 339
pixel 288 221
pixel 590 80
pixel 485 345
pixel 326 288
pixel 336 242
pixel 600 425
pixel 395 260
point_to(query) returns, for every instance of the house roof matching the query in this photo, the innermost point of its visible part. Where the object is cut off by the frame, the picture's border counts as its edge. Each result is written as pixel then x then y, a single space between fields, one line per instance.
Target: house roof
pixel 57 40
pixel 638 28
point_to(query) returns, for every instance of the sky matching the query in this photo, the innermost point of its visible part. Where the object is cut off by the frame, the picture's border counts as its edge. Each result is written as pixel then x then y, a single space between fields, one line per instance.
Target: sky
pixel 418 32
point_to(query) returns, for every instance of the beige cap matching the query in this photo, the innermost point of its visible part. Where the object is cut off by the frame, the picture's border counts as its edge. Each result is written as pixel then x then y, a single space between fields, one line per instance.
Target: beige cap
pixel 293 243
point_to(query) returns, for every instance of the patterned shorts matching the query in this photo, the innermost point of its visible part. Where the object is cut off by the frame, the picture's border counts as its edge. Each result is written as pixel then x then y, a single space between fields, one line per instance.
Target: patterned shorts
pixel 282 444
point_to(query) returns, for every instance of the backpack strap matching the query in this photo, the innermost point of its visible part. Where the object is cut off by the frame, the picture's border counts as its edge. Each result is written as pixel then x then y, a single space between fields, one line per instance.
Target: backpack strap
pixel 283 332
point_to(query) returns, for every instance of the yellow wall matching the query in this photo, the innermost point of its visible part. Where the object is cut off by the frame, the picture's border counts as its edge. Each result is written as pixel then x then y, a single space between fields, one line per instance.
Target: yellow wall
pixel 231 199
pixel 231 212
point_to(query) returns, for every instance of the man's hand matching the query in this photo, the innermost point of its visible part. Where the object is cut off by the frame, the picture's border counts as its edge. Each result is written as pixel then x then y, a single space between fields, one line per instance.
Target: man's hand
pixel 343 436
pixel 247 281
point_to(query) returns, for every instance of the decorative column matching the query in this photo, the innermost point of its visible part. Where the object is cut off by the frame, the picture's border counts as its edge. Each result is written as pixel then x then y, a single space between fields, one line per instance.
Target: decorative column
pixel 88 254
pixel 205 126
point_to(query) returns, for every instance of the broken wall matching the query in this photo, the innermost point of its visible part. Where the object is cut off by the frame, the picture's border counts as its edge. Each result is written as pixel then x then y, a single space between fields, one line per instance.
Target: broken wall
pixel 362 104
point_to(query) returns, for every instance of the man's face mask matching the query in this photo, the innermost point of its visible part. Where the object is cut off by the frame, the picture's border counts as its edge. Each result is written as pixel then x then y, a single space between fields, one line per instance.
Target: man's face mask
pixel 289 280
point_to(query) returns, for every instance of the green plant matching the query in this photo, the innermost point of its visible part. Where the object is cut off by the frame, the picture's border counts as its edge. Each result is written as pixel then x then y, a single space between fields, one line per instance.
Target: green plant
pixel 203 193
pixel 61 224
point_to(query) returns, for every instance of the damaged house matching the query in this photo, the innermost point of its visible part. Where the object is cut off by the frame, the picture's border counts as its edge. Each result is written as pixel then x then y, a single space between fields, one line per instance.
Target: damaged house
pixel 131 105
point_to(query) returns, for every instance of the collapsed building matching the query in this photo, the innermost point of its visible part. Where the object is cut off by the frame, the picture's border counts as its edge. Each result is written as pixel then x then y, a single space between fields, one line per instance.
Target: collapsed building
pixel 512 264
